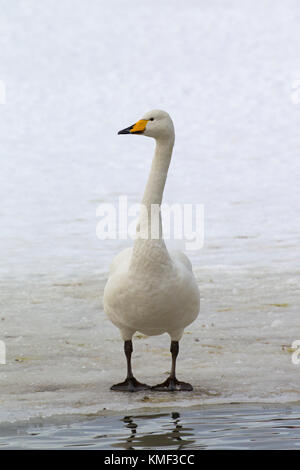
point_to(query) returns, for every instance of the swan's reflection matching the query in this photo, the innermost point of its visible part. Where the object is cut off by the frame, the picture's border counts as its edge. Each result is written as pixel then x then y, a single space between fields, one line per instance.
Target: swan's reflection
pixel 160 431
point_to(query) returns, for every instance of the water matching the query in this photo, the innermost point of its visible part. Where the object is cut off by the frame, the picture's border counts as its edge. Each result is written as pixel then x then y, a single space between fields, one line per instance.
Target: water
pixel 225 427
pixel 74 76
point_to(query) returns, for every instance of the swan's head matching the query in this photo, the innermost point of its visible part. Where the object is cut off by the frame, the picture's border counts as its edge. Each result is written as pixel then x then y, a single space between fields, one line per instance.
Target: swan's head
pixel 156 124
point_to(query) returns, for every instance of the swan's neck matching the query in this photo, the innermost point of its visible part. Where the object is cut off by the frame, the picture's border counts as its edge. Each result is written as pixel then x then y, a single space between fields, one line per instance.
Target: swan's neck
pixel 149 251
pixel 156 182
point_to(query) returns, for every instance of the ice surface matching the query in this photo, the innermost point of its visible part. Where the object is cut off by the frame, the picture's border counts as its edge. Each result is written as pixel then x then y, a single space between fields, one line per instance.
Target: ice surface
pixel 63 353
pixel 75 74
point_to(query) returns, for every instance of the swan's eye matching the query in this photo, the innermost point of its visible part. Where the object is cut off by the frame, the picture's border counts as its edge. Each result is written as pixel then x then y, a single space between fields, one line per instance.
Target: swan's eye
pixel 151 119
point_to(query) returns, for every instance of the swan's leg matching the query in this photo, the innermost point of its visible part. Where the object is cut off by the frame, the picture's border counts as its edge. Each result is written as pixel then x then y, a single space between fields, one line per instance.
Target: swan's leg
pixel 130 384
pixel 172 384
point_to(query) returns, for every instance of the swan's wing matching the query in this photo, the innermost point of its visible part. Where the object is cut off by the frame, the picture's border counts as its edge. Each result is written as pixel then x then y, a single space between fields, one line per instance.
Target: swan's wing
pixel 120 260
pixel 179 256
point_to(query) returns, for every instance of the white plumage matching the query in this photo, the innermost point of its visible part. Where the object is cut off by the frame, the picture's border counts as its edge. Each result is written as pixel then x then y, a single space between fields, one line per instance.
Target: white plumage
pixel 150 289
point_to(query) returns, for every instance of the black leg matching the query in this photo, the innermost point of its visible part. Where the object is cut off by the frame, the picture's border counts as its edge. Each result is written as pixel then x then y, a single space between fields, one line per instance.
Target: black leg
pixel 130 384
pixel 172 384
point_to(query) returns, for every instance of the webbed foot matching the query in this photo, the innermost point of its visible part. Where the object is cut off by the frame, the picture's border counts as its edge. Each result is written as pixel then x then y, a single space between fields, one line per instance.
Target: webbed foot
pixel 172 385
pixel 130 385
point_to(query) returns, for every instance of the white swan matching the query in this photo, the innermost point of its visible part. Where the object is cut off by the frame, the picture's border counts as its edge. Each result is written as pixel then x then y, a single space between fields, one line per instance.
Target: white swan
pixel 149 289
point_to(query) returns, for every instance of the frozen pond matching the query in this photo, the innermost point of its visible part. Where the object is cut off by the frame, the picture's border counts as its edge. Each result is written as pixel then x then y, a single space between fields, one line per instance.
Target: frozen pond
pixel 238 350
pixel 74 76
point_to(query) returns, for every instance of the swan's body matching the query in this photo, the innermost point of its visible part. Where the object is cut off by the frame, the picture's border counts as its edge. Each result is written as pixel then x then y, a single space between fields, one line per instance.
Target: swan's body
pixel 149 289
pixel 149 301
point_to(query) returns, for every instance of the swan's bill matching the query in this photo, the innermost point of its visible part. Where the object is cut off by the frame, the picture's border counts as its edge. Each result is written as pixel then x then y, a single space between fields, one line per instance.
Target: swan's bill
pixel 137 128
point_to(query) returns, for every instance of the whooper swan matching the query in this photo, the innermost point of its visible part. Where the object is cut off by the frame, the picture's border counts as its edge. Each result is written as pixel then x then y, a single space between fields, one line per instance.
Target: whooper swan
pixel 152 290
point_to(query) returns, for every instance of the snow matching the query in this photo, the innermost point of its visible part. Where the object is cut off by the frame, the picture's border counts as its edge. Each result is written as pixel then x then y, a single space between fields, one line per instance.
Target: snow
pixel 76 74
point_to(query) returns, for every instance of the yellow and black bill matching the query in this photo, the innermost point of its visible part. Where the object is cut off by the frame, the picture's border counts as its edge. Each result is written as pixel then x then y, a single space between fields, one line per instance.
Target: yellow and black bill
pixel 137 128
